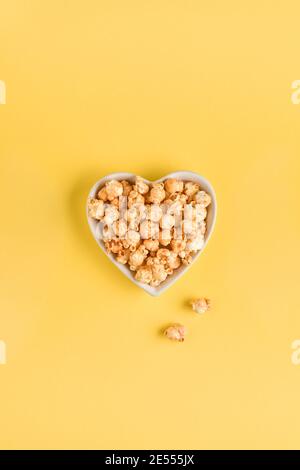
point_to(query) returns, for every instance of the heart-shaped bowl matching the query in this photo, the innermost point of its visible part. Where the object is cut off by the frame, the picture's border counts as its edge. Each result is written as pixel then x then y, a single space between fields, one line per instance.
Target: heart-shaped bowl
pixel 210 221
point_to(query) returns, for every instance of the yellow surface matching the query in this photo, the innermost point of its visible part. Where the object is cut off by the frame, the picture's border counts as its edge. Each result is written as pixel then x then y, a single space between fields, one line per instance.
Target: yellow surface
pixel 149 87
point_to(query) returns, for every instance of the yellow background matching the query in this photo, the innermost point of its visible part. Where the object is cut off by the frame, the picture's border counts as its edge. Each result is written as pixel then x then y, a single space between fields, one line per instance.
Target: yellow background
pixel 149 87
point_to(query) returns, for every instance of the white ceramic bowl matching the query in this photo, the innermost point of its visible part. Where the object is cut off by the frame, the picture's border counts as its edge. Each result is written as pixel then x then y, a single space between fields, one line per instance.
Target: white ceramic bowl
pixel 210 220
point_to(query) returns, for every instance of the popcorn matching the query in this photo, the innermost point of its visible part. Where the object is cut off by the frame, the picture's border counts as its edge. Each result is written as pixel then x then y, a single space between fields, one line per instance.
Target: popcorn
pixel 196 244
pixel 95 208
pixel 202 198
pixel 167 221
pixel 152 228
pixel 135 198
pixel 173 186
pixel 163 255
pixel 173 261
pixel 120 228
pixel 157 193
pixel 151 245
pixel 137 257
pixel 153 212
pixel 165 237
pixel 113 189
pixel 159 273
pixel 178 245
pixel 102 194
pixel 127 188
pixel 191 188
pixel 113 246
pixel 123 256
pixel 176 332
pixel 144 274
pixel 111 215
pixel 200 305
pixel 133 237
pixel 140 186
pixel 149 229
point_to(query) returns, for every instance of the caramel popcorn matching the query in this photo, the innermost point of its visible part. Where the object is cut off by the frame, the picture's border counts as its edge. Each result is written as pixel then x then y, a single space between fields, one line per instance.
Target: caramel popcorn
pixel 95 208
pixel 113 189
pixel 127 188
pixel 176 332
pixel 102 194
pixel 161 227
pixel 200 305
pixel 191 188
pixel 140 186
pixel 137 257
pixel 144 275
pixel 173 186
pixel 202 198
pixel 151 245
pixel 157 193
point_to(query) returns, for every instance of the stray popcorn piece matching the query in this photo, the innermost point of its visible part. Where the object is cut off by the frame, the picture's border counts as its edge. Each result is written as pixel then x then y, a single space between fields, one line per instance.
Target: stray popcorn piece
pixel 153 229
pixel 176 332
pixel 200 305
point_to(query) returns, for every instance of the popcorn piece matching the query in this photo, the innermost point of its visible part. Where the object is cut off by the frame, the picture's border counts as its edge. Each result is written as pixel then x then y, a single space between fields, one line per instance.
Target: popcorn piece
pixel 202 227
pixel 151 245
pixel 200 305
pixel 159 273
pixel 140 186
pixel 115 202
pixel 153 212
pixel 120 228
pixel 123 256
pixel 157 193
pixel 199 213
pixel 111 215
pixel 191 188
pixel 196 244
pixel 135 198
pixel 173 261
pixel 176 332
pixel 163 255
pixel 144 274
pixel 113 246
pixel 167 221
pixel 127 188
pixel 133 237
pixel 173 186
pixel 186 257
pixel 102 194
pixel 165 237
pixel 173 207
pixel 149 229
pixel 137 257
pixel 113 189
pixel 95 208
pixel 178 245
pixel 202 198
